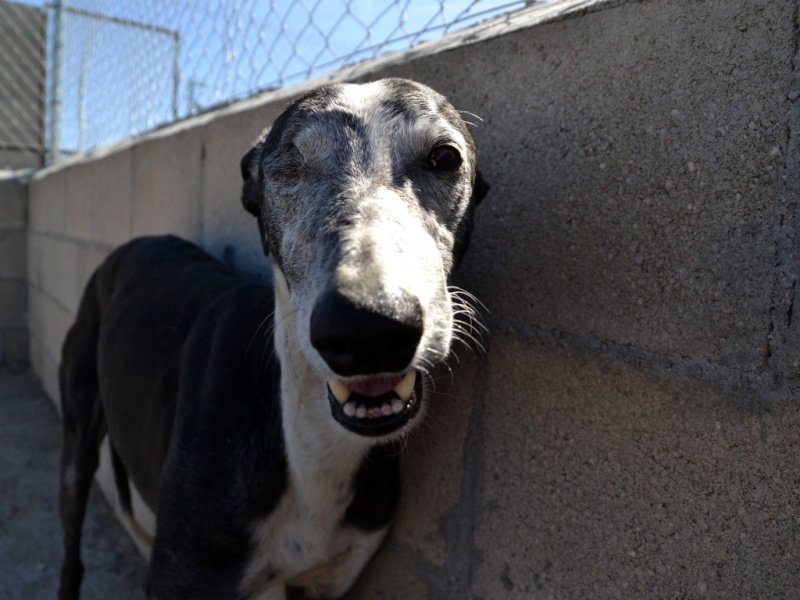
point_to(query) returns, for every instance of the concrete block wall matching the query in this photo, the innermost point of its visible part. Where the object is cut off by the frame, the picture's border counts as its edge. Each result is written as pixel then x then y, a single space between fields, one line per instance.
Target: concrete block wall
pixel 13 271
pixel 632 429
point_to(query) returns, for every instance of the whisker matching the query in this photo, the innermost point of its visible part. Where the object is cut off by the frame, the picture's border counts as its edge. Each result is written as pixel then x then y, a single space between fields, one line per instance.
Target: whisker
pixel 255 333
pixel 461 293
pixel 470 114
pixel 275 323
pixel 468 323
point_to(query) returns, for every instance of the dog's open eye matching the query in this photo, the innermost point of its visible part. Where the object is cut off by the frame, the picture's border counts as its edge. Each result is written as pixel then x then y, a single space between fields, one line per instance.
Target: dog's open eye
pixel 444 158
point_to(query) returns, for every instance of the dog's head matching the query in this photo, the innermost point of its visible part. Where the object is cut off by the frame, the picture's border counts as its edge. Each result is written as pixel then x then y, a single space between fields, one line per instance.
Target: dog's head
pixel 364 196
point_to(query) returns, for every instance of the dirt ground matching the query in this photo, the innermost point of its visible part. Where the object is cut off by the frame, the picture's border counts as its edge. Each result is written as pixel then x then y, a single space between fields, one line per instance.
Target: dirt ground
pixel 30 532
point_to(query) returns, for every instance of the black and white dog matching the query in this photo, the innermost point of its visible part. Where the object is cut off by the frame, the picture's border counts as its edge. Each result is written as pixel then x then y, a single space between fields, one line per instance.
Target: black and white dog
pixel 261 424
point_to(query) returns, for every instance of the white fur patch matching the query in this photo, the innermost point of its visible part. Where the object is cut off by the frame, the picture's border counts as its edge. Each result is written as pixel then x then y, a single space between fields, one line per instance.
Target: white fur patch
pixel 303 540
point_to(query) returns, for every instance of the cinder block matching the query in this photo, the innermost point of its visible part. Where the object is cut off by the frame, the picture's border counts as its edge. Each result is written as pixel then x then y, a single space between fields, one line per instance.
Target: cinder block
pixel 166 185
pixel 229 232
pixel 12 304
pixel 601 482
pixel 59 271
pixel 35 241
pixel 89 258
pixel 112 191
pixel 98 198
pixel 13 254
pixel 13 203
pixel 431 513
pixel 80 181
pixel 47 203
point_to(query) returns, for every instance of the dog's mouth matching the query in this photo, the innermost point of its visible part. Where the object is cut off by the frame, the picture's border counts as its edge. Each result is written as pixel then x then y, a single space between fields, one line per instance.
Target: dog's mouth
pixel 375 406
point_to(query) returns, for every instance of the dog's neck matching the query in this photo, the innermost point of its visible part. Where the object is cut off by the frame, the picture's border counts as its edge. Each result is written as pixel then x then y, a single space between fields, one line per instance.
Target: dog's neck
pixel 320 453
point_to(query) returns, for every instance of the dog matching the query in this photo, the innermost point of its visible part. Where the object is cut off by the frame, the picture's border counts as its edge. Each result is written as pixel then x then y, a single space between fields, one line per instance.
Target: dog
pixel 261 422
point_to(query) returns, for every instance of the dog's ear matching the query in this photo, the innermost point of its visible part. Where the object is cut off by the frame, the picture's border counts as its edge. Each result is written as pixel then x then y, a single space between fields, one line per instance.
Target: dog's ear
pixel 479 189
pixel 252 180
pixel 250 166
pixel 464 231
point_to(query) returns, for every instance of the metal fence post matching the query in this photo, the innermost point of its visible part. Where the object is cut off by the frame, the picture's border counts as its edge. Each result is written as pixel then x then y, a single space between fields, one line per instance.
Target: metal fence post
pixel 55 81
pixel 176 73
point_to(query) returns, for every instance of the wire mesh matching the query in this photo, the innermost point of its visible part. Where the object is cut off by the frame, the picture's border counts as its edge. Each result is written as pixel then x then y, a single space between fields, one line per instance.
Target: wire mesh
pixel 118 69
pixel 22 85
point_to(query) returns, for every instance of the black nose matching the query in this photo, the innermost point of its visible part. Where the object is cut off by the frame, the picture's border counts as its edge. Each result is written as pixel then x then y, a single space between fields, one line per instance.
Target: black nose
pixel 364 340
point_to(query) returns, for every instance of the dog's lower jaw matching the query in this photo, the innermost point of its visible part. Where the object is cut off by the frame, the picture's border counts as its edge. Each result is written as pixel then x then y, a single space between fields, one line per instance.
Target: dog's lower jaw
pixel 383 413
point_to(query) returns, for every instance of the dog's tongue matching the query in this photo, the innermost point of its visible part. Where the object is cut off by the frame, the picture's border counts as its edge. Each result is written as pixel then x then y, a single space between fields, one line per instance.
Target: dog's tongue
pixel 374 386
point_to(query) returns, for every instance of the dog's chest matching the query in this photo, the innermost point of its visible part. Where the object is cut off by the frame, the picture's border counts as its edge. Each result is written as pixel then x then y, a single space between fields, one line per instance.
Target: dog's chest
pixel 302 542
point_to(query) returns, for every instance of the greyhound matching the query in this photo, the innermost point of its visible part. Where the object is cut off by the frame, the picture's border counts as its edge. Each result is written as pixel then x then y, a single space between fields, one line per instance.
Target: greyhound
pixel 261 422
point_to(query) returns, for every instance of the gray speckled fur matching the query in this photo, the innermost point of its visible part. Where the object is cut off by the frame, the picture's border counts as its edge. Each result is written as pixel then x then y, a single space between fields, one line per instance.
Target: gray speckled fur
pixel 344 194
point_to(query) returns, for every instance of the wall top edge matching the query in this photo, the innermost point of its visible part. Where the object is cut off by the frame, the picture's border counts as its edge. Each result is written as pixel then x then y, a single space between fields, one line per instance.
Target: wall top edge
pixel 16 175
pixel 531 16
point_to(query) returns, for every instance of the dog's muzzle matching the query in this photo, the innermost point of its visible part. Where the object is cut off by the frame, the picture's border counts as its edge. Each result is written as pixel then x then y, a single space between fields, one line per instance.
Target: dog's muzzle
pixel 370 346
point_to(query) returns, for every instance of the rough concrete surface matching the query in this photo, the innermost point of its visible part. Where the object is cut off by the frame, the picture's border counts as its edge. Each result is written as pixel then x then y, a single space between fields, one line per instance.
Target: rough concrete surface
pixel 636 161
pixel 597 481
pixel 626 486
pixel 30 531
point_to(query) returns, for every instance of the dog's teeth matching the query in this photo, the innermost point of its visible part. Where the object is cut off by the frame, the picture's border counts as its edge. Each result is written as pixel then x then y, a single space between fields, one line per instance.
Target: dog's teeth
pixel 386 409
pixel 406 386
pixel 374 412
pixel 350 409
pixel 340 391
pixel 361 411
pixel 397 405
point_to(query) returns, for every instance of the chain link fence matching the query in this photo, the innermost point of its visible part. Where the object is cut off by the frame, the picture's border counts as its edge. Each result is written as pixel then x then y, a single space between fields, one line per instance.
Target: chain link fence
pixel 118 69
pixel 22 85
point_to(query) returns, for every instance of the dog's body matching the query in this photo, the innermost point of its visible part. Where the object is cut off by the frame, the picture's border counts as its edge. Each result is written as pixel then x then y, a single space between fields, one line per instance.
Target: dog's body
pixel 260 423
